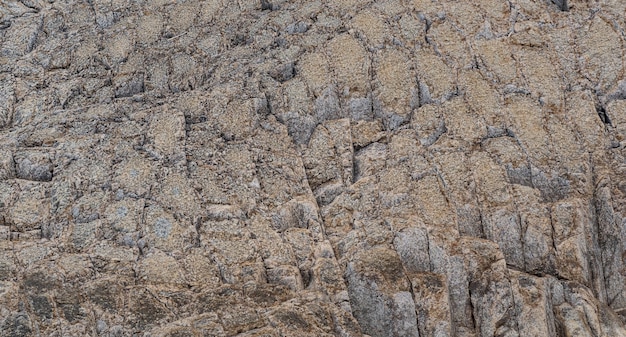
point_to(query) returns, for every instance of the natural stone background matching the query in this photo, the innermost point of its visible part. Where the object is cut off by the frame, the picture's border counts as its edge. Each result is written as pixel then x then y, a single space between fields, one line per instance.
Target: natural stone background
pixel 312 168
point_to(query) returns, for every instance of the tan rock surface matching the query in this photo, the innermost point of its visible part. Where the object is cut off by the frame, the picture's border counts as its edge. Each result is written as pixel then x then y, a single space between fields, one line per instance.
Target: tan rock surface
pixel 312 168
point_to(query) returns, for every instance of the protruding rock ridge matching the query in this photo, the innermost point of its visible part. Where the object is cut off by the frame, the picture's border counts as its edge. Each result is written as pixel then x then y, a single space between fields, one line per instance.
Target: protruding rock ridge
pixel 312 168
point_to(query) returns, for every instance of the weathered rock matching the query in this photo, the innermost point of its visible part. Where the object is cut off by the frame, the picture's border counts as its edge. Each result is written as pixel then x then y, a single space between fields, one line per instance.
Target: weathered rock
pixel 533 307
pixel 34 166
pixel 312 168
pixel 380 294
pixel 431 303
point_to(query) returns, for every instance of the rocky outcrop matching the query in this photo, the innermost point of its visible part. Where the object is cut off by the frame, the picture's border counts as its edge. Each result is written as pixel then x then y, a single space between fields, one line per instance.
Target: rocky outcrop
pixel 312 168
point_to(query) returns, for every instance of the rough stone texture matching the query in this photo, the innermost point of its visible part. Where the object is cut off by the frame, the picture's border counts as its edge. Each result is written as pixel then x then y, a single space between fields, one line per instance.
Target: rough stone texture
pixel 312 168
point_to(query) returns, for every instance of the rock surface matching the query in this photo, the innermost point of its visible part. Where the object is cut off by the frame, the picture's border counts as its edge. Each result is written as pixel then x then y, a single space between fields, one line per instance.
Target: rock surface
pixel 312 168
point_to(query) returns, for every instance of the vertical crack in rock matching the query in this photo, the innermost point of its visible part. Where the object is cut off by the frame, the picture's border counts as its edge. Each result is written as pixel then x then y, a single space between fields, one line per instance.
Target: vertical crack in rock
pixel 562 5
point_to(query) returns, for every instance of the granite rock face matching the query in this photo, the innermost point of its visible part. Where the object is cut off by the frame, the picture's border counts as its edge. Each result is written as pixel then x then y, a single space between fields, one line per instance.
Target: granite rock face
pixel 312 168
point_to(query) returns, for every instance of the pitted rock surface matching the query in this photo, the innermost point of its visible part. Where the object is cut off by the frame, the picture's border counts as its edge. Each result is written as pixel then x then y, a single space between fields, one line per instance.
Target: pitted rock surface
pixel 312 168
